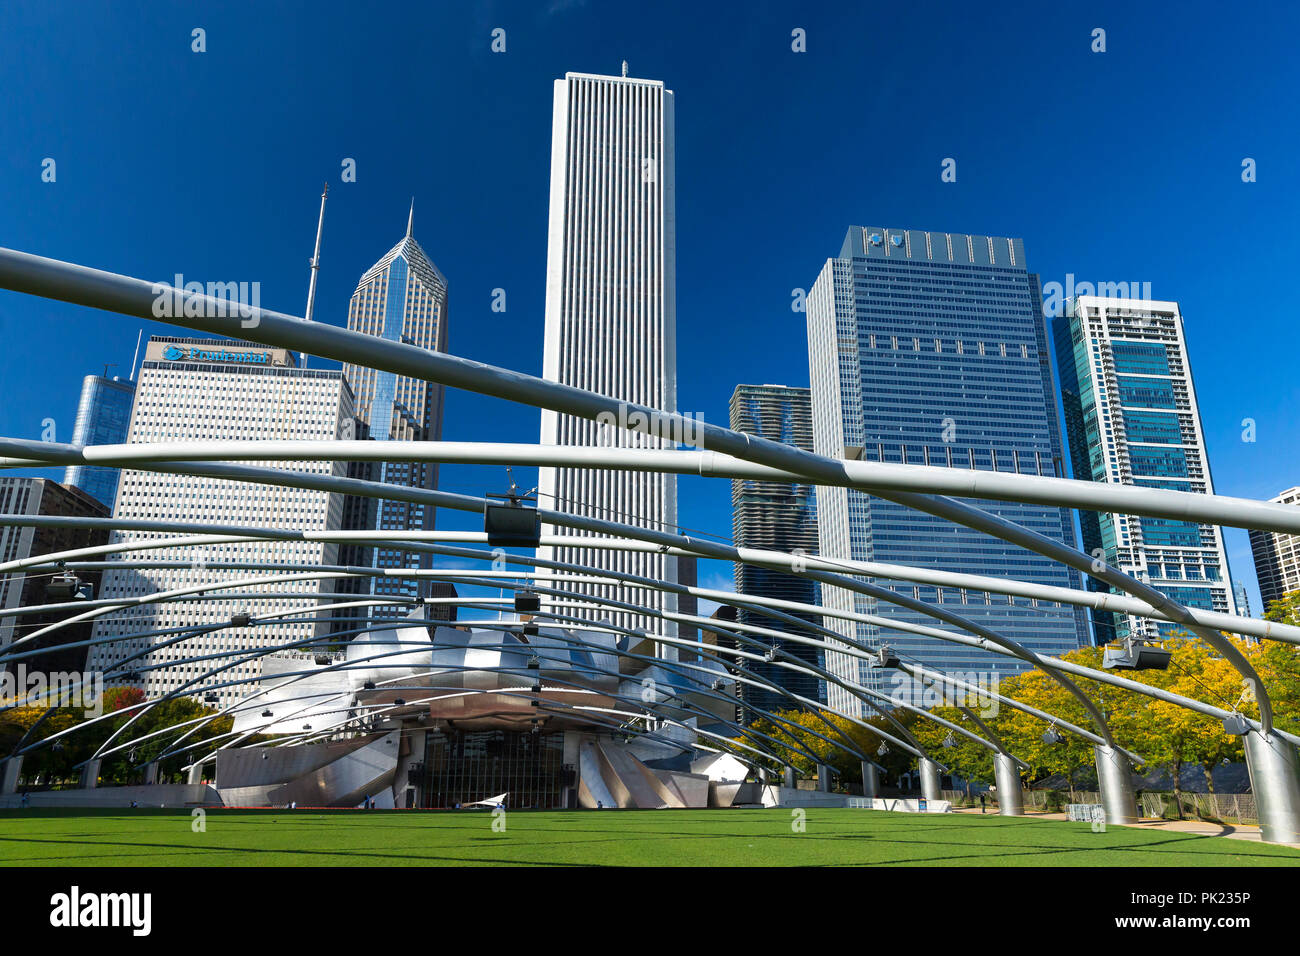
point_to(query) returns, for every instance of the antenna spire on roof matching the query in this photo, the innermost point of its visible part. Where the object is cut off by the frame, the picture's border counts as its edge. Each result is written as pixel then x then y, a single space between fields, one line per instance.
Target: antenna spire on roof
pixel 138 336
pixel 410 220
pixel 625 67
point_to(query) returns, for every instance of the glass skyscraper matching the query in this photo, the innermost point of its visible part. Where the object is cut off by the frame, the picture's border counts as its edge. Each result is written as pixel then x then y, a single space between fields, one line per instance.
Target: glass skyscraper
pixel 103 415
pixel 1132 419
pixel 402 298
pixel 776 516
pixel 930 348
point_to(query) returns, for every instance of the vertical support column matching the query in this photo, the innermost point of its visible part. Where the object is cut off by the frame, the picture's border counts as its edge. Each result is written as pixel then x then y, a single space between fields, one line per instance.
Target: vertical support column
pixel 1274 769
pixel 1115 780
pixel 870 780
pixel 10 771
pixel 151 773
pixel 787 778
pixel 1011 799
pixel 572 759
pixel 930 788
pixel 410 754
pixel 823 778
pixel 90 775
pixel 196 773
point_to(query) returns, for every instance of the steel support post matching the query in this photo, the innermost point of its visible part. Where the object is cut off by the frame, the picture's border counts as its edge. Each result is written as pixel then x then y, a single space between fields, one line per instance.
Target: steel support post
pixel 1275 779
pixel 90 775
pixel 823 778
pixel 1011 799
pixel 10 771
pixel 1115 781
pixel 870 780
pixel 930 788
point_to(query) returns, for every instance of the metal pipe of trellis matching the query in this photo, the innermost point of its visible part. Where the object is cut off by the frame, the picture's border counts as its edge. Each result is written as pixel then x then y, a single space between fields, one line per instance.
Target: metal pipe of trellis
pixel 67 282
pixel 200 679
pixel 868 476
pixel 682 643
pixel 702 547
pixel 1099 600
pixel 741 598
pixel 738 637
pixel 95 288
pixel 1101 676
pixel 422 645
pixel 649 583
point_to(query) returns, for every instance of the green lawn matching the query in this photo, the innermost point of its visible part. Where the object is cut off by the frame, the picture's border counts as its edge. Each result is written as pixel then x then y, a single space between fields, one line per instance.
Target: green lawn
pixel 582 838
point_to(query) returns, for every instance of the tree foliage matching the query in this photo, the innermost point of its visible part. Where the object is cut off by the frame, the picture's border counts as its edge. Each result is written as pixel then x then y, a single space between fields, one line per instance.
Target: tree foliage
pixel 1167 735
pixel 150 734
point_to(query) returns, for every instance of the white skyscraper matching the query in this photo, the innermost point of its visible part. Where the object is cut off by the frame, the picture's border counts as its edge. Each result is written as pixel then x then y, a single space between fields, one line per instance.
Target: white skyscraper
pixel 192 389
pixel 1277 557
pixel 611 311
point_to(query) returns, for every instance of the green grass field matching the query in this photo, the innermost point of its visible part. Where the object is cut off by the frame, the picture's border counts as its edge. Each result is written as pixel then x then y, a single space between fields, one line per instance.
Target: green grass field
pixel 627 837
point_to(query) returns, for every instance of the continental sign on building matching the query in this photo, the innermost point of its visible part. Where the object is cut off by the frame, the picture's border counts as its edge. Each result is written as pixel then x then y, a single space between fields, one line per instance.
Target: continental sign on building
pixel 216 353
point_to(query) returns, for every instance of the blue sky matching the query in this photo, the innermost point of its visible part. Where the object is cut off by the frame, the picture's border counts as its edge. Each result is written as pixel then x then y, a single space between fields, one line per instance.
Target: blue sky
pixel 1123 165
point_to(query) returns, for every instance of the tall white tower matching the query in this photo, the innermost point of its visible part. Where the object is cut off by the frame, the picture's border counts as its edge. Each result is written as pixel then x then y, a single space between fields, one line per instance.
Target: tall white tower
pixel 611 313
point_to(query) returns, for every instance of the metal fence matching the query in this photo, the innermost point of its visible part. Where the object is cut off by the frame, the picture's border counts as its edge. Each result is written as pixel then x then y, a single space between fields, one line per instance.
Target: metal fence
pixel 1218 807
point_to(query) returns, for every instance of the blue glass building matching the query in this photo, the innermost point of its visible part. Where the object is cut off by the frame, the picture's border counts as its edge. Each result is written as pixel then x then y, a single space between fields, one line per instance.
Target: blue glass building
pixel 103 416
pixel 930 348
pixel 1132 419
pixel 401 298
pixel 776 516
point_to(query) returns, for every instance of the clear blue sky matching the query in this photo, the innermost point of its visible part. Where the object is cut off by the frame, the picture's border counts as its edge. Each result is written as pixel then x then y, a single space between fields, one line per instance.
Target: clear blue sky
pixel 1124 165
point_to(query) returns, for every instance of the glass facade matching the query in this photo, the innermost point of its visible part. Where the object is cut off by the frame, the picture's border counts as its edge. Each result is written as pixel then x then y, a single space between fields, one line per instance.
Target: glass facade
pixel 103 417
pixel 931 349
pixel 1132 418
pixel 776 516
pixel 401 298
pixel 464 767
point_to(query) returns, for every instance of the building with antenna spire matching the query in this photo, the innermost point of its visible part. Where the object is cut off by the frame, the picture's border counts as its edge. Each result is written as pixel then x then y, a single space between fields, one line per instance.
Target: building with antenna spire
pixel 611 320
pixel 402 298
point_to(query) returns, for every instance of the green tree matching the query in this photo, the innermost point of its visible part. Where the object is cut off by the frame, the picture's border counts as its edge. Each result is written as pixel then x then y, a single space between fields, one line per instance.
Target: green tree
pixel 1285 610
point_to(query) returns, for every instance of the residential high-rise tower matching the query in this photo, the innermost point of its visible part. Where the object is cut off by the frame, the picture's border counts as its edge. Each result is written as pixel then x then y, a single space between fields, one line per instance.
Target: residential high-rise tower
pixel 1277 557
pixel 1132 419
